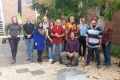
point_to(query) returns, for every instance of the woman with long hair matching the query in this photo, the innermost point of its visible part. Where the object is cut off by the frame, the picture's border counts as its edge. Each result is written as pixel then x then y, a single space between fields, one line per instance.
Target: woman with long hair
pixel 49 39
pixel 13 36
pixel 106 43
pixel 39 41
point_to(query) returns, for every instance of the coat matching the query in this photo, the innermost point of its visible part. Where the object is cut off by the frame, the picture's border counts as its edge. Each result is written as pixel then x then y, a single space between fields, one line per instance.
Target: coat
pixel 40 40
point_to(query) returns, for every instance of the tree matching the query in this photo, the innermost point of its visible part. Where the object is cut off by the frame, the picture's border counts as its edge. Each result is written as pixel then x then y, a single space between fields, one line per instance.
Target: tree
pixel 55 9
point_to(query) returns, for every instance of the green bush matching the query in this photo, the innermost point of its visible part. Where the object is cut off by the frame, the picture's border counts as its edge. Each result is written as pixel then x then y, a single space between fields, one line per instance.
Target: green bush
pixel 115 51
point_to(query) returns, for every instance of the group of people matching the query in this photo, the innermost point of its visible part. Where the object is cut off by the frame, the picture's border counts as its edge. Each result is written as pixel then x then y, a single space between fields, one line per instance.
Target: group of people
pixel 71 38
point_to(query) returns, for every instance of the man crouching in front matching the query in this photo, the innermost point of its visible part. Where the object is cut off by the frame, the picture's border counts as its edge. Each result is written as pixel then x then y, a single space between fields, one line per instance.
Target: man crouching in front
pixel 72 47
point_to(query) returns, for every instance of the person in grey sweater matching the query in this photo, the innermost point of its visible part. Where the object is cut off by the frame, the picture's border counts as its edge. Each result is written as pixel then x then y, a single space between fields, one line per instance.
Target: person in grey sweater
pixel 13 36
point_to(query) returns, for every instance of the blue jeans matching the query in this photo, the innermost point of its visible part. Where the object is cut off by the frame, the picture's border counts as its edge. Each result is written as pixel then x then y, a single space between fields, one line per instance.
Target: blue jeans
pixel 29 45
pixel 50 49
pixel 54 51
pixel 106 51
pixel 90 51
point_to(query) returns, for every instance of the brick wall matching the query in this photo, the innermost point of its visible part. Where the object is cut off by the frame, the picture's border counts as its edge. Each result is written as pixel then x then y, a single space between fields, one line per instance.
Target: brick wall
pixel 116 28
pixel 10 8
pixel 26 11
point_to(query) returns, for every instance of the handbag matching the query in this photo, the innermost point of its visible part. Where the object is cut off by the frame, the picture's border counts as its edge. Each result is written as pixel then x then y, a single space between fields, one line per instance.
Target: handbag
pixel 4 40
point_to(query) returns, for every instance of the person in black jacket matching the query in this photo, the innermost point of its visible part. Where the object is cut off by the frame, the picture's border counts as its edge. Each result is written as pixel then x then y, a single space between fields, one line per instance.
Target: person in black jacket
pixel 28 29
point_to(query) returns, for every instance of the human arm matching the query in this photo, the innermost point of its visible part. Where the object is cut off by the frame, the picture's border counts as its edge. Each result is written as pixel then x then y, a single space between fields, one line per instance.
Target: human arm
pixel 35 37
pixel 48 35
pixel 8 27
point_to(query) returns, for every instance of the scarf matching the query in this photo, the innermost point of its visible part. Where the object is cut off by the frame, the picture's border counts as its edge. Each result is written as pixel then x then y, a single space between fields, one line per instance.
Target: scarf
pixel 41 31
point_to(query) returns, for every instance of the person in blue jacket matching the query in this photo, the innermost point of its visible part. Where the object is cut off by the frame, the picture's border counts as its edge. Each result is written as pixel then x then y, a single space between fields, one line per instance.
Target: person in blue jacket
pixel 39 41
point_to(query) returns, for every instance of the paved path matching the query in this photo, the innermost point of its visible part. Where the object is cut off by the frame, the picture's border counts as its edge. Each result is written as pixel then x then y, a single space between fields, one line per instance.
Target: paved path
pixel 26 70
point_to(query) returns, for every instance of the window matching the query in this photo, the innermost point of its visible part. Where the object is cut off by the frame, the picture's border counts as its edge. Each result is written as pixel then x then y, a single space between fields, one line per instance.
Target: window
pixel 100 10
pixel 29 2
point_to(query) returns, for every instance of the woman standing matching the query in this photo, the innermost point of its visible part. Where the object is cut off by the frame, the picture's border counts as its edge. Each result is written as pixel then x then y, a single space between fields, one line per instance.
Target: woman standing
pixel 49 39
pixel 106 43
pixel 39 41
pixel 74 29
pixel 13 37
pixel 82 39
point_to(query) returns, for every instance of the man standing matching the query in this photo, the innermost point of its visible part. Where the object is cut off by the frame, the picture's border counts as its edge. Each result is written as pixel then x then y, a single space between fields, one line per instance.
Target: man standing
pixel 28 29
pixel 69 25
pixel 57 33
pixel 45 25
pixel 93 41
pixel 97 25
pixel 64 40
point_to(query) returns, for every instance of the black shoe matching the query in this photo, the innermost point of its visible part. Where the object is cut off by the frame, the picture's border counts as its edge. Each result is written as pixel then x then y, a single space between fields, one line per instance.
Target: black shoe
pixel 68 64
pixel 98 66
pixel 60 62
pixel 92 59
pixel 119 64
pixel 53 62
pixel 86 64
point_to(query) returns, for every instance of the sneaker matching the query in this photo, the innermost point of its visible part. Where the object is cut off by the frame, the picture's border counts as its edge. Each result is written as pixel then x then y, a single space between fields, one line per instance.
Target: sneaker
pixel 60 62
pixel 28 59
pixel 68 64
pixel 50 60
pixel 86 64
pixel 83 58
pixel 31 60
pixel 98 66
pixel 79 58
pixel 53 62
pixel 107 67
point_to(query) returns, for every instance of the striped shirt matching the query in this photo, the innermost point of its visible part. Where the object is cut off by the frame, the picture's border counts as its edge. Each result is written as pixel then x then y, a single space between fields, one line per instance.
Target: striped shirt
pixel 94 35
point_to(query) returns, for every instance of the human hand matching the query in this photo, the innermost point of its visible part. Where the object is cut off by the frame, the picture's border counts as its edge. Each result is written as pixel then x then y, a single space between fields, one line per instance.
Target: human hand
pixel 28 36
pixel 36 44
pixel 99 47
pixel 9 36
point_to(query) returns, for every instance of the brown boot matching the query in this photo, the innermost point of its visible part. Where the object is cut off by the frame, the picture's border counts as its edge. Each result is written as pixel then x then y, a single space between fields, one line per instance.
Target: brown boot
pixel 13 61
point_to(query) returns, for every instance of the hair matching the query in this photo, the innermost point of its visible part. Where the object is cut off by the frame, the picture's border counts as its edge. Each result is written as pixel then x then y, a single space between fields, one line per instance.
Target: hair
pixel 71 32
pixel 39 24
pixel 109 24
pixel 58 20
pixel 13 21
pixel 77 29
pixel 96 17
pixel 51 21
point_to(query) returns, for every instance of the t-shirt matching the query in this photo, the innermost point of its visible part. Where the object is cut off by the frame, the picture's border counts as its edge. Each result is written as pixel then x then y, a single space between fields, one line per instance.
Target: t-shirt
pixel 83 29
pixel 94 35
pixel 58 30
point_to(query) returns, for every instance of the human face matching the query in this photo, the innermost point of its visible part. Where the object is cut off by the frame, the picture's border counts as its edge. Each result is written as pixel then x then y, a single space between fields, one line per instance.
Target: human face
pixel 74 26
pixel 40 25
pixel 64 22
pixel 72 35
pixel 51 23
pixel 28 19
pixel 83 21
pixel 71 19
pixel 14 19
pixel 93 24
pixel 95 18
pixel 45 19
pixel 58 22
pixel 106 24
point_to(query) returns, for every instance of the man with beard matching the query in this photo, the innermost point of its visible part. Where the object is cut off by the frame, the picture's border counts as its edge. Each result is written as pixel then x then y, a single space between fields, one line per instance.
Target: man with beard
pixel 93 41
pixel 68 26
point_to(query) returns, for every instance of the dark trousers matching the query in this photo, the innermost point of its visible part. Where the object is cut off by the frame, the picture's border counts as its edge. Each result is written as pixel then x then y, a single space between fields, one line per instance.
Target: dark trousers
pixel 39 52
pixel 13 41
pixel 64 44
pixel 90 51
pixel 82 42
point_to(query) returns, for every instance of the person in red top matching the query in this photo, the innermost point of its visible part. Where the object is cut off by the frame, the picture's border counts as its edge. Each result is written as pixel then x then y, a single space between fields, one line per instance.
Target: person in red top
pixel 57 33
